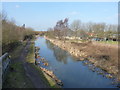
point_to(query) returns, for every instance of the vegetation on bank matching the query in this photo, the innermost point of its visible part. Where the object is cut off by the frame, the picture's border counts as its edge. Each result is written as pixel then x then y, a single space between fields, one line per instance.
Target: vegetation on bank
pixel 31 60
pixel 78 37
pixel 15 77
pixel 100 55
pixel 84 31
pixel 82 41
pixel 14 39
pixel 110 42
pixel 12 34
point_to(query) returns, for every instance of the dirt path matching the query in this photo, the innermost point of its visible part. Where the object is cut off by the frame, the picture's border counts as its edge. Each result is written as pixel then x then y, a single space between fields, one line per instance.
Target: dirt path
pixel 30 72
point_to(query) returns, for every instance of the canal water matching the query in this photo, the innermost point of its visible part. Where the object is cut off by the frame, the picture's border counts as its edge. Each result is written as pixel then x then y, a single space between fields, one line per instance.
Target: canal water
pixel 73 73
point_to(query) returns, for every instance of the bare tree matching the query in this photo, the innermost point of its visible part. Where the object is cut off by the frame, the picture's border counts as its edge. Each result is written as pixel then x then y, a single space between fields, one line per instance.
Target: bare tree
pixel 76 26
pixel 61 28
pixel 12 34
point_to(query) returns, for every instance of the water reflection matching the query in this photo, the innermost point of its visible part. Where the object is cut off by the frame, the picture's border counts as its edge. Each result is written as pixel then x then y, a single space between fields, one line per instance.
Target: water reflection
pixel 59 54
pixel 49 45
pixel 72 73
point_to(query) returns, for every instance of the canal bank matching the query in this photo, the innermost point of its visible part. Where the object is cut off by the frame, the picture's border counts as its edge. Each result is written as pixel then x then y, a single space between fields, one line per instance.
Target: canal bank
pixel 34 72
pixel 23 73
pixel 16 77
pixel 104 57
pixel 70 69
pixel 42 63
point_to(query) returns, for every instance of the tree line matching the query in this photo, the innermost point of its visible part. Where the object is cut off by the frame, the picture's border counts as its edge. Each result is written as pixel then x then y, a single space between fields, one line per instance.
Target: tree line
pixel 83 30
pixel 12 34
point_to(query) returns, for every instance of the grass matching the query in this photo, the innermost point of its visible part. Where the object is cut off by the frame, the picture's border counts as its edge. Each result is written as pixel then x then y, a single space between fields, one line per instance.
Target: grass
pixel 51 81
pixel 30 56
pixel 15 77
pixel 15 54
pixel 82 41
pixel 77 41
pixel 109 42
pixel 47 80
pixel 17 51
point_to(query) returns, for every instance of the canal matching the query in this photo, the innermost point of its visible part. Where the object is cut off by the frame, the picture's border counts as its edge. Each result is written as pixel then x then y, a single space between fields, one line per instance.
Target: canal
pixel 73 73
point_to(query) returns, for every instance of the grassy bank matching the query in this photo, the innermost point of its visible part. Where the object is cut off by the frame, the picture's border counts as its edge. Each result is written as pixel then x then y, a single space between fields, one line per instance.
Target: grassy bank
pixel 109 42
pixel 31 60
pixel 15 77
pixel 104 42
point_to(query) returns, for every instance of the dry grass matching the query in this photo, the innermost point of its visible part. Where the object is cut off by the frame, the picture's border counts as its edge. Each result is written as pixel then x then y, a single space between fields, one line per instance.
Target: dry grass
pixel 101 55
pixel 104 55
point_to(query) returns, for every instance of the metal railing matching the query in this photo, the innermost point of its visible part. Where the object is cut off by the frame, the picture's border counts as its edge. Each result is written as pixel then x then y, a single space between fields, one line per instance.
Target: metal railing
pixel 4 64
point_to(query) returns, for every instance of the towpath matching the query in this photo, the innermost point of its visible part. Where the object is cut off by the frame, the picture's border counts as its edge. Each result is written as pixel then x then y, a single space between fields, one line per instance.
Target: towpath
pixel 31 72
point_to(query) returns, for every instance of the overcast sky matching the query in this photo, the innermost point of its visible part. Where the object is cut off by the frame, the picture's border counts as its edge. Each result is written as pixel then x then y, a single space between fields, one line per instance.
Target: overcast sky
pixel 42 15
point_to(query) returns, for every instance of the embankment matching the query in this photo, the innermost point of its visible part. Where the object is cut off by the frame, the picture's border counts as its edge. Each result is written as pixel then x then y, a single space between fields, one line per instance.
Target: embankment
pixel 39 78
pixel 49 75
pixel 101 55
